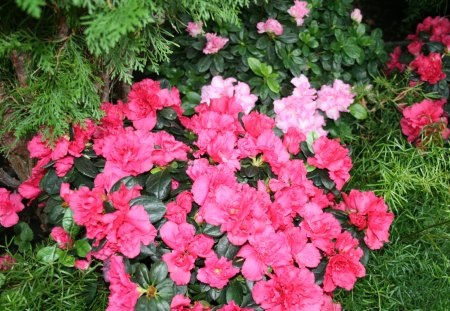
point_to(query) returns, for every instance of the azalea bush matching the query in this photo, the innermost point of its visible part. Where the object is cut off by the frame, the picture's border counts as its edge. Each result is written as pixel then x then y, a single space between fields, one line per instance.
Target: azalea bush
pixel 278 40
pixel 227 209
pixel 426 64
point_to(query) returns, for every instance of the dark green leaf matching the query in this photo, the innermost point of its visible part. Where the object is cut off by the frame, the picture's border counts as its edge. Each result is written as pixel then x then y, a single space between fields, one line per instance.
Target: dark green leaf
pixel 128 181
pixel 152 205
pixel 82 247
pixel 255 66
pixel 142 275
pixel 234 293
pixel 225 249
pixel 159 184
pixel 213 231
pixel 158 272
pixel 51 183
pixel 168 113
pixel 86 167
pixel 204 64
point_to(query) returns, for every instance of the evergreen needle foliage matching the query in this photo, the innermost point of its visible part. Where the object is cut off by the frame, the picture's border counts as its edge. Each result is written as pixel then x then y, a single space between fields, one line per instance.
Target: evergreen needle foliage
pixel 413 271
pixel 35 285
pixel 60 59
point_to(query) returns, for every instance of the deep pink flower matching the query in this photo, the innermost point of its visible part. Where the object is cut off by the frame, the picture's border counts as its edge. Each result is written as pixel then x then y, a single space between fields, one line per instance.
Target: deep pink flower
pixel 123 292
pixel 305 254
pixel 344 267
pixel 292 140
pixel 201 246
pixel 179 302
pixel 176 236
pixel 214 43
pixel 415 47
pixel 370 213
pixel 194 29
pixel 10 205
pixel 394 62
pixel 255 123
pixel 61 237
pixel 270 26
pixel 38 148
pixel 429 67
pixel 179 264
pixel 298 11
pixel 330 155
pixel 167 149
pixel 426 117
pixel 87 204
pixel 289 289
pixel 64 165
pixel 265 248
pixel 82 264
pixel 217 272
pixel 232 306
pixel 329 305
pixel 322 229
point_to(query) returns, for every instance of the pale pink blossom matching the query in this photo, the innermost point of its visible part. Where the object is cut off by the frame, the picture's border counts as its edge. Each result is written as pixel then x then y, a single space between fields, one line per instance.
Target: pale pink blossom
pixel 214 43
pixel 298 11
pixel 270 26
pixel 335 99
pixel 356 15
pixel 194 29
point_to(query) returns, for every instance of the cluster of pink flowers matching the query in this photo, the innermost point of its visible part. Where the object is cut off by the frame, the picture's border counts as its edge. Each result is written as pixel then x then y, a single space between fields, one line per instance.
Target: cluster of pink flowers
pixel 428 66
pixel 271 26
pixel 282 225
pixel 425 118
pixel 301 110
pixel 299 11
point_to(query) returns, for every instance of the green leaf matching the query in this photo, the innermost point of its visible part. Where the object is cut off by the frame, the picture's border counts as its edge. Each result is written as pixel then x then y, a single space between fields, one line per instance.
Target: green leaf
pixel 82 247
pixel 86 167
pixel 255 66
pixel 159 184
pixel 158 272
pixel 49 254
pixel 166 289
pixel 273 85
pixel 152 205
pixel 225 249
pixel 219 63
pixel 51 183
pixel 69 224
pixel 32 7
pixel 352 50
pixel 310 138
pixel 358 111
pixel 66 260
pixel 142 275
pixel 234 293
pixel 212 231
pixel 204 64
pixel 168 113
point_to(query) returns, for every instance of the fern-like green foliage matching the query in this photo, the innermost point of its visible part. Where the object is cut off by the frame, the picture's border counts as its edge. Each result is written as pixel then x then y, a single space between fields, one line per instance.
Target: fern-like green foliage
pixel 60 58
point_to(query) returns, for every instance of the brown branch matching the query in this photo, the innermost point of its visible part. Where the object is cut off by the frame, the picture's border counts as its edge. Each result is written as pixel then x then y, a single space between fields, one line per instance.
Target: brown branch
pixel 105 76
pixel 18 62
pixel 8 180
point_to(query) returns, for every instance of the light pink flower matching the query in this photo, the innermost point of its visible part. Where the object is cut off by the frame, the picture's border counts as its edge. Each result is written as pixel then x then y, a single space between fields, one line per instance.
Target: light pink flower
pixel 335 99
pixel 217 272
pixel 123 292
pixel 194 29
pixel 356 15
pixel 10 205
pixel 214 43
pixel 270 26
pixel 298 11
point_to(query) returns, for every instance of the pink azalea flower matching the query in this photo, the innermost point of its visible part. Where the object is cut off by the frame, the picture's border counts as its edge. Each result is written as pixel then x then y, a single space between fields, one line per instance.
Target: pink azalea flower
pixel 329 305
pixel 415 47
pixel 369 213
pixel 61 237
pixel 179 264
pixel 335 99
pixel 419 117
pixel 321 229
pixel 429 67
pixel 194 29
pixel 330 155
pixel 256 123
pixel 305 254
pixel 356 15
pixel 292 139
pixel 179 302
pixel 82 264
pixel 344 267
pixel 270 26
pixel 265 248
pixel 87 205
pixel 217 272
pixel 167 149
pixel 6 262
pixel 10 205
pixel 214 43
pixel 64 165
pixel 123 292
pixel 290 289
pixel 394 62
pixel 298 11
pixel 232 306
